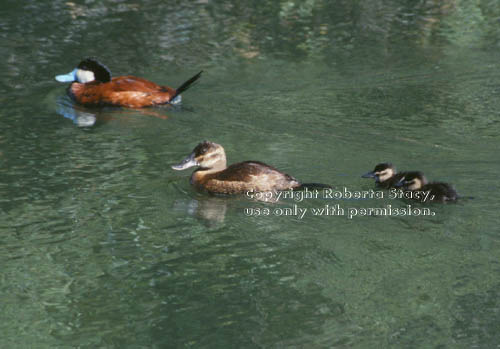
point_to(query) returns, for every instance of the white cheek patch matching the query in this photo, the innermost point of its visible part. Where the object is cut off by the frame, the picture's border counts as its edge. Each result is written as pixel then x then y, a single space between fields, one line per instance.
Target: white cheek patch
pixel 418 183
pixel 384 175
pixel 84 76
pixel 415 185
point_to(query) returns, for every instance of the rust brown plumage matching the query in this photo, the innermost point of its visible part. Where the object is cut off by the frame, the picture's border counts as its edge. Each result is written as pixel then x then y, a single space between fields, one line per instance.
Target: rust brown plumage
pixel 93 86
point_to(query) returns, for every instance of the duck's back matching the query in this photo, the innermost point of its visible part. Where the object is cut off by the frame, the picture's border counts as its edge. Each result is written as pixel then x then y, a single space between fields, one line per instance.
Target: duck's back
pixel 440 191
pixel 246 176
pixel 125 91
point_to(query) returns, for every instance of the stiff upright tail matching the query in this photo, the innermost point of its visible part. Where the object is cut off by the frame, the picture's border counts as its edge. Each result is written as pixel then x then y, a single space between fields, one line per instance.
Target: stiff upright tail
pixel 187 84
pixel 311 186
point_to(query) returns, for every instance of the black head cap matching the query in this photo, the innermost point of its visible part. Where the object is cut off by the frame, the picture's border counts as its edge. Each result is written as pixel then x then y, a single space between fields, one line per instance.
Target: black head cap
pixel 101 72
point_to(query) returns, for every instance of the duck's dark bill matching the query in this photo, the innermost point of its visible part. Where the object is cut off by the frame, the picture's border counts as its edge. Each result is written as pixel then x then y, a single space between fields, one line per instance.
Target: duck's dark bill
pixel 186 163
pixel 400 183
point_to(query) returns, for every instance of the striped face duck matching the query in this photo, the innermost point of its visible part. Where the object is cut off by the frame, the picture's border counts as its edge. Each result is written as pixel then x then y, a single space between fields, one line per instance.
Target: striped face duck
pixel 438 191
pixel 386 175
pixel 213 174
pixel 92 85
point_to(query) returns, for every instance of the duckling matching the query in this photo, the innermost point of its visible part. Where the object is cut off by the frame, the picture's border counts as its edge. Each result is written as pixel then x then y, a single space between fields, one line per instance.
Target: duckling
pixel 438 191
pixel 385 175
pixel 92 85
pixel 214 176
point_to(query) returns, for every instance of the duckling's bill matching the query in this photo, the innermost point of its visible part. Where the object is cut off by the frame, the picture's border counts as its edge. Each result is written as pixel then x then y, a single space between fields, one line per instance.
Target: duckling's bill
pixel 369 175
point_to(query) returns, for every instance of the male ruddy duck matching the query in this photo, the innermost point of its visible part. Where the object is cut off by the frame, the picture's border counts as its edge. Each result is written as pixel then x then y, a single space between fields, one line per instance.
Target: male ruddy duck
pixel 385 175
pixel 438 191
pixel 214 176
pixel 92 85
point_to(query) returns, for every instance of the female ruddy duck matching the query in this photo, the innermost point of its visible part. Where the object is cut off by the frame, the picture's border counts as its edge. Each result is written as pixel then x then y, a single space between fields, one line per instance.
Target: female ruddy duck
pixel 214 176
pixel 385 175
pixel 438 191
pixel 92 85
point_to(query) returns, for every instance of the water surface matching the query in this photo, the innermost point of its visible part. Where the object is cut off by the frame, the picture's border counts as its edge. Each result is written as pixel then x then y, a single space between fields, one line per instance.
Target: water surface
pixel 103 245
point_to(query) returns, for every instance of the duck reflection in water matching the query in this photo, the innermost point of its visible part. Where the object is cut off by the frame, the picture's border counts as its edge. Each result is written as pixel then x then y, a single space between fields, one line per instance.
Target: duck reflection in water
pixel 210 210
pixel 77 114
pixel 87 117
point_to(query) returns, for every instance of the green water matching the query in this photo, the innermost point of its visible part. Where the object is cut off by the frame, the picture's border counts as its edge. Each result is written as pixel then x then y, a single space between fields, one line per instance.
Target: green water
pixel 103 245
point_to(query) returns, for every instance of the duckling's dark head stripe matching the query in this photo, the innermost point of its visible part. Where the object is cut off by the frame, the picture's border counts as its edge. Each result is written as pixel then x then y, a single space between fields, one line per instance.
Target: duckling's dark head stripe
pixel 383 166
pixel 411 175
